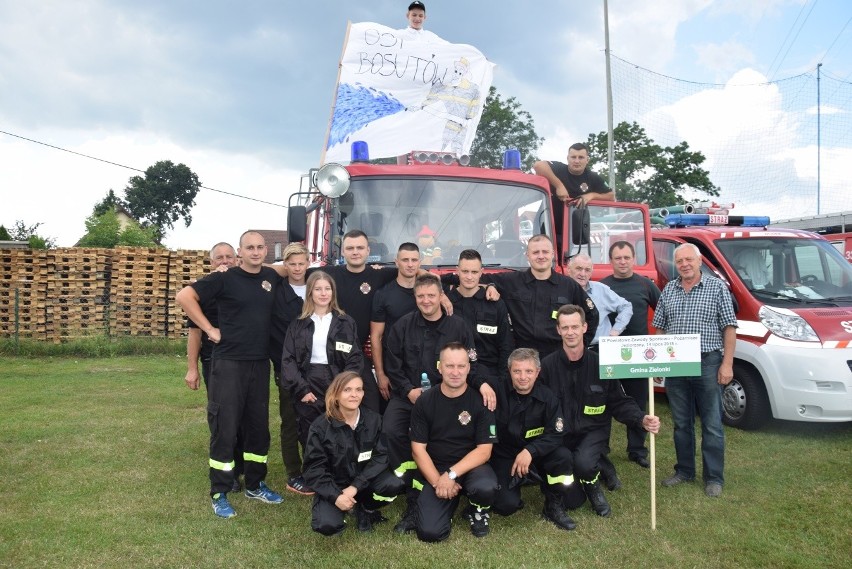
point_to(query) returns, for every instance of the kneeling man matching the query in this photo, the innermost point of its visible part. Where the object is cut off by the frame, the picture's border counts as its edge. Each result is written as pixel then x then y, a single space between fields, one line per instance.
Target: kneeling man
pixel 452 434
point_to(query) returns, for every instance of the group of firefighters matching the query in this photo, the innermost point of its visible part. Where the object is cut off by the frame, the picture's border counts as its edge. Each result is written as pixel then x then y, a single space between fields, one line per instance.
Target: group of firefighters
pixel 396 381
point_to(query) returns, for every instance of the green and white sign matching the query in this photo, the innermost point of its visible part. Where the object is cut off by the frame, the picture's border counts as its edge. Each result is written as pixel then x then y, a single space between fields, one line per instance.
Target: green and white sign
pixel 650 356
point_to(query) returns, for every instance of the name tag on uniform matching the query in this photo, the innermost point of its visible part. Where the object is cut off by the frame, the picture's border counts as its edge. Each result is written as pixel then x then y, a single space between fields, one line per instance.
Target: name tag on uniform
pixel 365 455
pixel 534 433
pixel 343 347
pixel 594 410
pixel 485 329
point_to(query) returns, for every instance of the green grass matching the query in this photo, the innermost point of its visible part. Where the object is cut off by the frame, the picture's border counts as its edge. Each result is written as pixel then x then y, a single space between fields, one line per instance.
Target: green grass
pixel 93 347
pixel 105 466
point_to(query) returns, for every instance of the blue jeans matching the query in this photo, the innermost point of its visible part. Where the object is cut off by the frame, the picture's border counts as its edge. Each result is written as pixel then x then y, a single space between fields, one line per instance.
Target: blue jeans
pixel 704 394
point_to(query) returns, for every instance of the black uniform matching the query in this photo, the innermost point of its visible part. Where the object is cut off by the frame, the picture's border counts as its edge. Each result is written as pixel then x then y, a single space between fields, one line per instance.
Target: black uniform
pixel 286 309
pixel 533 422
pixel 238 392
pixel 301 377
pixel 391 303
pixel 643 294
pixel 355 292
pixel 589 403
pixel 492 332
pixel 205 354
pixel 414 348
pixel 574 184
pixel 533 303
pixel 452 427
pixel 337 456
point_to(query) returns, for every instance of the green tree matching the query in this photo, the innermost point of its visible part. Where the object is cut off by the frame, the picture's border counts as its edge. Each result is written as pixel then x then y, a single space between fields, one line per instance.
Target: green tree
pixel 105 231
pixel 135 236
pixel 109 203
pixel 23 232
pixel 648 173
pixel 101 230
pixel 504 124
pixel 165 195
pixel 4 234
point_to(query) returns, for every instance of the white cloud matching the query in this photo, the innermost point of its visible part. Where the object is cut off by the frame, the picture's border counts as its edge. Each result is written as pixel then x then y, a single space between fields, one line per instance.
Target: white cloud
pixel 724 57
pixel 59 189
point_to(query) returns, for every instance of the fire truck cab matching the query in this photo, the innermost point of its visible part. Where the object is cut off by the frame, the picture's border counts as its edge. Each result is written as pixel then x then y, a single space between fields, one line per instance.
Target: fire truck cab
pixel 793 300
pixel 492 211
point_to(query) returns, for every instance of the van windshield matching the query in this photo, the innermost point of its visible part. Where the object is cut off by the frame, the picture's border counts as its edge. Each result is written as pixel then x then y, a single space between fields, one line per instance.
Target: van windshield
pixel 788 268
pixel 444 217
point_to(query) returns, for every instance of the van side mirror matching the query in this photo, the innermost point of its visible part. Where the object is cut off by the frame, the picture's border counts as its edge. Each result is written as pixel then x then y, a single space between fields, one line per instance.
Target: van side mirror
pixel 580 226
pixel 297 223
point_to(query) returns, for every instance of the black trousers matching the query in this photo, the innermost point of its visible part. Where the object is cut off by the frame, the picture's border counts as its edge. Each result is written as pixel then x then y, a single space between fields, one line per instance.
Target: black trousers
pixel 306 413
pixel 587 450
pixel 395 425
pixel 434 515
pixel 372 398
pixel 238 398
pixel 554 469
pixel 327 519
pixel 636 437
pixel 289 429
pixel 206 364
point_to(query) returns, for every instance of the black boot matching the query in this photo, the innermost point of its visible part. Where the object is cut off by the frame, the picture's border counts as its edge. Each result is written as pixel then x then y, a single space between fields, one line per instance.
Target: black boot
pixel 554 512
pixel 408 523
pixel 363 518
pixel 597 498
pixel 609 475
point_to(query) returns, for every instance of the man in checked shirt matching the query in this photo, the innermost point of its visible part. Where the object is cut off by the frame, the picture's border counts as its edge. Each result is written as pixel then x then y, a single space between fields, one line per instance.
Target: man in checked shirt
pixel 699 304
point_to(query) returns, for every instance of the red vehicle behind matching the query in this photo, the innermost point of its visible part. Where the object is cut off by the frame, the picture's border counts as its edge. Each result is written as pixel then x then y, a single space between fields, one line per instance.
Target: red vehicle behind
pixel 793 298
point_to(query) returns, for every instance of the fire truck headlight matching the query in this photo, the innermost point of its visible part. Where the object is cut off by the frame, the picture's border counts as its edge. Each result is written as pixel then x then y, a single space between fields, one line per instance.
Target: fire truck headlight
pixel 787 324
pixel 333 180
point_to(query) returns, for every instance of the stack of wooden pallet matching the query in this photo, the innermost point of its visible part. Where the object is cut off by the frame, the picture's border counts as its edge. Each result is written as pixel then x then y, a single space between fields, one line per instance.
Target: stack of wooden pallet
pixel 25 272
pixel 77 297
pixel 139 293
pixel 185 267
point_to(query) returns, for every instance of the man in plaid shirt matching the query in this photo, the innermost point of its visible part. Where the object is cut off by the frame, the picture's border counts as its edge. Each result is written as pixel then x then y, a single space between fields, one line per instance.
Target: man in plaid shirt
pixel 699 304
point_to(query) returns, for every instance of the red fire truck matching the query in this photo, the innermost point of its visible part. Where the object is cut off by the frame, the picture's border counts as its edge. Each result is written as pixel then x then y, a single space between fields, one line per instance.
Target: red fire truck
pixel 794 344
pixel 492 211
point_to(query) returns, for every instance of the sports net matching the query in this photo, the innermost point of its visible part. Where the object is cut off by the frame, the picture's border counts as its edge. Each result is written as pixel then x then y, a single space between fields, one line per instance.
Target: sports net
pixel 760 138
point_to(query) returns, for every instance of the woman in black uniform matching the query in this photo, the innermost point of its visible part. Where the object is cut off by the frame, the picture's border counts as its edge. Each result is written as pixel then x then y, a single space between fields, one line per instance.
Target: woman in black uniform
pixel 346 460
pixel 320 344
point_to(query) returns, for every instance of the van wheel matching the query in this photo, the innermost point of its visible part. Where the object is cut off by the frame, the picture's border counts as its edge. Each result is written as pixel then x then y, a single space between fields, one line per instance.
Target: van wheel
pixel 744 401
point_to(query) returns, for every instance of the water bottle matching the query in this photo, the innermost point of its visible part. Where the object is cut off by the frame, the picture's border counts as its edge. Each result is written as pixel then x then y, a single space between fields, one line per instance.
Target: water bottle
pixel 424 382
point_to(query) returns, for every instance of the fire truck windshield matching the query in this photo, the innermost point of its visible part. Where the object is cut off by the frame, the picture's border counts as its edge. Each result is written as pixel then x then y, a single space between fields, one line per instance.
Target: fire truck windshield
pixel 443 216
pixel 789 269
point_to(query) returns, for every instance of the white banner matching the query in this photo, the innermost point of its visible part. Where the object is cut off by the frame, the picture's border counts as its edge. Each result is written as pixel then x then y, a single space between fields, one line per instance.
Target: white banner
pixel 400 92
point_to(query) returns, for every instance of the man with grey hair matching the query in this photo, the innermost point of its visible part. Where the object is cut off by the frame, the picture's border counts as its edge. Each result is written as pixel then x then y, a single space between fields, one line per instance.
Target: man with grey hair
pixel 694 303
pixel 530 429
pixel 198 344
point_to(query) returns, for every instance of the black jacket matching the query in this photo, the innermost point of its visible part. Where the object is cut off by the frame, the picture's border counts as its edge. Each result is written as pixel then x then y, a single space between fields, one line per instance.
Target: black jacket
pixel 492 333
pixel 336 456
pixel 588 401
pixel 533 303
pixel 534 422
pixel 343 352
pixel 285 311
pixel 406 360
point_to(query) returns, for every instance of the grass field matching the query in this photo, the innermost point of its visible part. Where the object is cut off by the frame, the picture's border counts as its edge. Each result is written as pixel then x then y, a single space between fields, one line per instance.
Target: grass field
pixel 104 465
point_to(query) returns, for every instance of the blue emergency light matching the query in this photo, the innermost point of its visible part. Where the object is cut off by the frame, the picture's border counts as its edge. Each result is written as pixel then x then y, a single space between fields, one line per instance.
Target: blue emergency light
pixel 700 219
pixel 512 159
pixel 360 151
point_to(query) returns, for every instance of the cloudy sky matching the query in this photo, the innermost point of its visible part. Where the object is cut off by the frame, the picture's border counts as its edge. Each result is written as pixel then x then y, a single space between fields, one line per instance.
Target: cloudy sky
pixel 241 91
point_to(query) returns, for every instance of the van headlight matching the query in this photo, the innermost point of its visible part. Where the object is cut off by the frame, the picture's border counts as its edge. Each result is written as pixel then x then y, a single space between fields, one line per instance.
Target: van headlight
pixel 786 324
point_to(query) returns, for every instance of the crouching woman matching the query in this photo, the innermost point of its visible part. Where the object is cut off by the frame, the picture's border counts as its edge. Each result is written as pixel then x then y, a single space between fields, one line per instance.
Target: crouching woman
pixel 345 461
